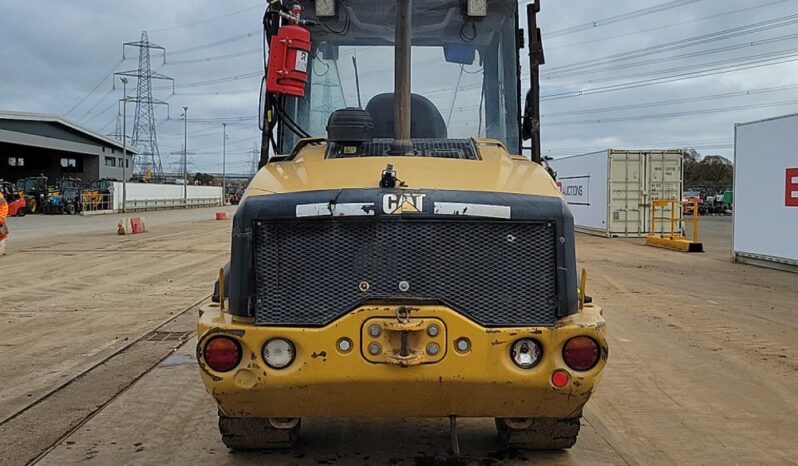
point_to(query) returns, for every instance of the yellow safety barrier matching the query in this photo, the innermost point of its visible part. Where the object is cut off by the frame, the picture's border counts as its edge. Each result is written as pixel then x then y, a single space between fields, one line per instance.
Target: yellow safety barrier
pixel 93 201
pixel 675 239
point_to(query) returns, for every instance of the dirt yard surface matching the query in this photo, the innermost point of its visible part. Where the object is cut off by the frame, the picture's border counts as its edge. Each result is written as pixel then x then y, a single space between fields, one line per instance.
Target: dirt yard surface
pixel 98 366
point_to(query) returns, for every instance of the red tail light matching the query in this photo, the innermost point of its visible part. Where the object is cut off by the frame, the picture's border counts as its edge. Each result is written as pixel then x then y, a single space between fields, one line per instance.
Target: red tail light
pixel 581 353
pixel 222 354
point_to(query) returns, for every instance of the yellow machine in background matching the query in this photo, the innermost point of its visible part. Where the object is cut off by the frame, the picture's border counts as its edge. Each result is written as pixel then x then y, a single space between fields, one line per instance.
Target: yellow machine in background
pixel 397 267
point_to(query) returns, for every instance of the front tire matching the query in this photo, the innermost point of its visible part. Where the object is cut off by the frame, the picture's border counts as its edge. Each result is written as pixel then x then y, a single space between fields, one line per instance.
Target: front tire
pixel 21 212
pixel 252 433
pixel 538 433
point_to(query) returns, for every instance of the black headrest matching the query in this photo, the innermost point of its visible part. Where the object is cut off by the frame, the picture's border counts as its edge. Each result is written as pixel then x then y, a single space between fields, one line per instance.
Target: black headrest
pixel 427 121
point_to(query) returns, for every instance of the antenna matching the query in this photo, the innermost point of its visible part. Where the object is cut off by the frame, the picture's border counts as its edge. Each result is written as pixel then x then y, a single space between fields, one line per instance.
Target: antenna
pixel 357 81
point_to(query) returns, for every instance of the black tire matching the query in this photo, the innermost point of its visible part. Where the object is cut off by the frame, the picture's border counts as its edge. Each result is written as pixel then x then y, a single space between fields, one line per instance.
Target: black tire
pixel 21 212
pixel 253 433
pixel 538 433
pixel 71 209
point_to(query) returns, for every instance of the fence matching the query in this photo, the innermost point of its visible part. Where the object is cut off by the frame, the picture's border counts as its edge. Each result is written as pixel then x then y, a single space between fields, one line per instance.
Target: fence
pixel 166 204
pixel 141 197
pixel 96 203
pixel 149 196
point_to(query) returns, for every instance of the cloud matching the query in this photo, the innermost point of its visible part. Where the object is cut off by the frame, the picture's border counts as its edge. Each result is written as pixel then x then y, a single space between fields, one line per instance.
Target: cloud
pixel 54 52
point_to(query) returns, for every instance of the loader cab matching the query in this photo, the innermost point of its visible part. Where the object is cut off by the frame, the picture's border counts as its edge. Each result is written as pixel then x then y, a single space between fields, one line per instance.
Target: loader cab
pixel 465 70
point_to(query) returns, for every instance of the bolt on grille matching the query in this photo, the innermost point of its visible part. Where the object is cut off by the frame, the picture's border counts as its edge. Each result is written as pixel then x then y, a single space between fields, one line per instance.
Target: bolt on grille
pixel 498 274
pixel 438 148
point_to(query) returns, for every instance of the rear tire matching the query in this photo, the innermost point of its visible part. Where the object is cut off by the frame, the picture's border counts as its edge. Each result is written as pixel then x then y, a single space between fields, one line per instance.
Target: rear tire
pixel 34 206
pixel 253 433
pixel 538 433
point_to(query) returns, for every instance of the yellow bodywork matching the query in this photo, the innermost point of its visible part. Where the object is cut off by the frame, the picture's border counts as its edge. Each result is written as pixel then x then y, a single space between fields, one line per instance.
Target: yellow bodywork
pixel 324 382
pixel 498 171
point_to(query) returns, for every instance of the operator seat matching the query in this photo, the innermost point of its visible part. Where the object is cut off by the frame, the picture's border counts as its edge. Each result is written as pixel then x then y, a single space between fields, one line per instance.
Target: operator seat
pixel 427 121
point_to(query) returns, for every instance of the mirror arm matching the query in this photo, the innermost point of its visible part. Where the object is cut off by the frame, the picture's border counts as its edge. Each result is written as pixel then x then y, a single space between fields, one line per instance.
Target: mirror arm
pixel 531 123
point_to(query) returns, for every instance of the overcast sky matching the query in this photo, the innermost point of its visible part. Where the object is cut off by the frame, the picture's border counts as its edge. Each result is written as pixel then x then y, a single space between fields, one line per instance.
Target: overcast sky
pixel 53 54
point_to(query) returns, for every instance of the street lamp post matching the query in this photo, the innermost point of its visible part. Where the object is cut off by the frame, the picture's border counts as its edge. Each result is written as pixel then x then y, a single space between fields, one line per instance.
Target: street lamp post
pixel 185 156
pixel 124 144
pixel 224 164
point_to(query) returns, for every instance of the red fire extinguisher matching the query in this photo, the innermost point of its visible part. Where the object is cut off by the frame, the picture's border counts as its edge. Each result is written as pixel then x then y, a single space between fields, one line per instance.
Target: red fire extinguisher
pixel 289 59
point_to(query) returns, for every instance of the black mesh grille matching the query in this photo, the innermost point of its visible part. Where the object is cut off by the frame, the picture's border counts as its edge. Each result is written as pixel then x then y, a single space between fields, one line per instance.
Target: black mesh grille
pixel 439 148
pixel 498 274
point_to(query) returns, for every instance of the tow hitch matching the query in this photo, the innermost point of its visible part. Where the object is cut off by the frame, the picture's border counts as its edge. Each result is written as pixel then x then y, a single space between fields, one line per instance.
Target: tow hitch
pixel 403 341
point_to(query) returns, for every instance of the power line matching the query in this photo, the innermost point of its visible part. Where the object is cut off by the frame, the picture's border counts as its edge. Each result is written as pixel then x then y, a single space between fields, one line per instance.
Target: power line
pixel 678 44
pixel 215 58
pixel 672 101
pixel 666 26
pixel 208 20
pixel 621 17
pixel 666 79
pixel 673 114
pixel 557 153
pixel 93 89
pixel 218 42
pixel 660 60
pixel 214 81
pixel 723 140
pixel 258 74
pixel 97 104
pixel 774 57
pixel 212 93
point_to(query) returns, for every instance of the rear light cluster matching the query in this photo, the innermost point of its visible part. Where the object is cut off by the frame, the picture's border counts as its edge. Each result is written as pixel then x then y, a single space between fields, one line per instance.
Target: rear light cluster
pixel 223 354
pixel 581 353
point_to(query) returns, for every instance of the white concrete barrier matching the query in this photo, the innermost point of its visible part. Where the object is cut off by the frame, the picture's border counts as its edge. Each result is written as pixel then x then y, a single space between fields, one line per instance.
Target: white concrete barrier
pixel 148 196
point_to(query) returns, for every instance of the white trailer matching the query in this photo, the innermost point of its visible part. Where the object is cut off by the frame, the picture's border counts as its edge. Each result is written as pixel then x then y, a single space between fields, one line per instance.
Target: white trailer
pixel 765 230
pixel 610 192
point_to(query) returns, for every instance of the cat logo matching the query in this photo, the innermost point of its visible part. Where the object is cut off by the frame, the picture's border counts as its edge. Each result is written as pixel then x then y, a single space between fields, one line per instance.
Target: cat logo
pixel 403 203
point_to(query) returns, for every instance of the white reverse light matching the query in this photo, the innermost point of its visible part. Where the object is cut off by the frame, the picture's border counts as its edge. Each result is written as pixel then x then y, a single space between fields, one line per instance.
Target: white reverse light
pixel 526 353
pixel 279 353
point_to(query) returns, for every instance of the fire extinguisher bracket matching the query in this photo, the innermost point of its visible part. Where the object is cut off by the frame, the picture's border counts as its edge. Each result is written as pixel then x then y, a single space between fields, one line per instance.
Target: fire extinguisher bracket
pixel 288 61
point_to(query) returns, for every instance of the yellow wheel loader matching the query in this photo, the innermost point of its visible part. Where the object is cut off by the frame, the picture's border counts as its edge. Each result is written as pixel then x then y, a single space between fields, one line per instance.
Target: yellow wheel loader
pixel 396 256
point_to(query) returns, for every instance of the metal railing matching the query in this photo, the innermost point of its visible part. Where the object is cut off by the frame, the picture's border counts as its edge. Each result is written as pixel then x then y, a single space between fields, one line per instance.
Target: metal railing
pixel 95 202
pixel 166 204
pixel 675 239
pixel 675 220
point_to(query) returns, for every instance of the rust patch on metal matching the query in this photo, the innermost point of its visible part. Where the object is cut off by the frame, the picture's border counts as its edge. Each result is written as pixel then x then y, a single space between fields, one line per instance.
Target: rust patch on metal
pixel 322 354
pixel 216 330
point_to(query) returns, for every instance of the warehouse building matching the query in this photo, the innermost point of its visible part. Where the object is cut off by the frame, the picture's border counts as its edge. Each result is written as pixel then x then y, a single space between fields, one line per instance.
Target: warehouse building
pixel 48 145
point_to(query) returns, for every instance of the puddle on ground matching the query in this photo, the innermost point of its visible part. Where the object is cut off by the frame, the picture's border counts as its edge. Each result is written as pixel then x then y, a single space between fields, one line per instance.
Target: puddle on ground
pixel 179 359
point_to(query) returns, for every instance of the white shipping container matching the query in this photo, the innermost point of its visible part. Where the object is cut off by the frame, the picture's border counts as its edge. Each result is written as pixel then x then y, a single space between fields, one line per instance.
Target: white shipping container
pixel 610 192
pixel 765 211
